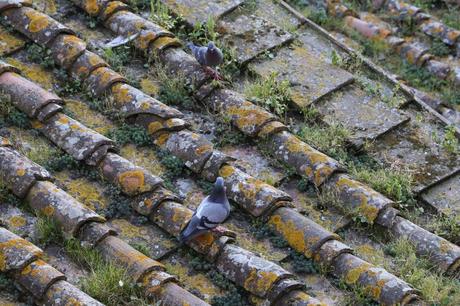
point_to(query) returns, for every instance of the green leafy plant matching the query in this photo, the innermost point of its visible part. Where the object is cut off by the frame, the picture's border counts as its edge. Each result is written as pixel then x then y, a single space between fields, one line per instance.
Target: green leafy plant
pixel 128 133
pixel 450 142
pixel 272 94
pixel 160 14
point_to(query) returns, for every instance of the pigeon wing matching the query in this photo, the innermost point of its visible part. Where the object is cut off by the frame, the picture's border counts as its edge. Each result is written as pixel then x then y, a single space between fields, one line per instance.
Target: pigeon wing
pixel 213 213
pixel 200 54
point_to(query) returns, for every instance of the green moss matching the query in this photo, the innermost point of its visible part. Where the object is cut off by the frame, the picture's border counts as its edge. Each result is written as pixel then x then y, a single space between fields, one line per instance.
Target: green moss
pixel 302 264
pixel 61 162
pixel 128 133
pixel 119 205
pixel 9 115
pixel 439 48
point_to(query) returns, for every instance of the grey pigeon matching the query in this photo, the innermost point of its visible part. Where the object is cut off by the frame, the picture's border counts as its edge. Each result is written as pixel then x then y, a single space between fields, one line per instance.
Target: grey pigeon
pixel 213 210
pixel 208 56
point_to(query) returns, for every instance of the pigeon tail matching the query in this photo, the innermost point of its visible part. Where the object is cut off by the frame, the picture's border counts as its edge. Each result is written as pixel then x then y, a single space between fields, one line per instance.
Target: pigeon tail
pixel 191 45
pixel 191 230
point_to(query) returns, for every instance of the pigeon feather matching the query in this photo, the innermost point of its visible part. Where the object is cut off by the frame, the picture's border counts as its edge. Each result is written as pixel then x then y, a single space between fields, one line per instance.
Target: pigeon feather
pixel 209 55
pixel 212 211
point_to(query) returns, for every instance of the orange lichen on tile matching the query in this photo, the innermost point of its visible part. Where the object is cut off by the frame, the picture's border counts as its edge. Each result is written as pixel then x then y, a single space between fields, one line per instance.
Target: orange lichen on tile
pixel 294 236
pixel 133 181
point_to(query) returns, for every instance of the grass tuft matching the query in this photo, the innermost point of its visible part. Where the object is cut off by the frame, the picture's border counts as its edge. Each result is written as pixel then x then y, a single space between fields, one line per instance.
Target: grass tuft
pixel 48 231
pixel 106 282
pixel 270 93
pixel 434 288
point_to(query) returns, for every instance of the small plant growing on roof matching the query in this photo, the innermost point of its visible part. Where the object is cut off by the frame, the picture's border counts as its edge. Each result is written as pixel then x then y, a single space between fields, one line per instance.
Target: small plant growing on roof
pixel 450 142
pixel 118 57
pixel 106 282
pixel 160 14
pixel 270 93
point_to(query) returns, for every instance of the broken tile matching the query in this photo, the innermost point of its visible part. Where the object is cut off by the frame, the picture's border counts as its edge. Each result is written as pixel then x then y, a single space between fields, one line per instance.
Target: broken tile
pixel 194 11
pixel 445 195
pixel 310 78
pixel 365 116
pixel 251 35
pixel 255 164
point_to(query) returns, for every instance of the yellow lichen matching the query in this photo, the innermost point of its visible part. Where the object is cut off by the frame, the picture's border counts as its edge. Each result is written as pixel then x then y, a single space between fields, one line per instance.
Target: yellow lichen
pixel 193 280
pixel 88 193
pixel 9 42
pixel 48 210
pixel 295 237
pixel 354 274
pixel 121 93
pixel 203 149
pixel 37 21
pixel 261 282
pixel 154 127
pixel 91 7
pixel 21 172
pixel 144 157
pixel 17 221
pixel 149 87
pixel 162 139
pixel 34 72
pixel 226 171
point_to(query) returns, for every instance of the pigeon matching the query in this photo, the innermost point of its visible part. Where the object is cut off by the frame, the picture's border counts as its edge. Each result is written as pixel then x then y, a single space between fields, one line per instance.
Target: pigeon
pixel 213 210
pixel 209 57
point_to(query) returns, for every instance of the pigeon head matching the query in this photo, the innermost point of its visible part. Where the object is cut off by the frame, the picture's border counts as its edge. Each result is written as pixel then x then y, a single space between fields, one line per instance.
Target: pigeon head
pixel 211 45
pixel 218 192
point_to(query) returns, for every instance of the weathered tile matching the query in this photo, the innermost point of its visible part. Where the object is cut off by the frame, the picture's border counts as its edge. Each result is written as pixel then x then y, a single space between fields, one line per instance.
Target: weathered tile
pixel 317 45
pixel 307 204
pixel 365 116
pixel 238 222
pixel 58 258
pixel 417 146
pixel 9 42
pixel 251 35
pixel 19 222
pixel 89 193
pixel 445 195
pixel 277 14
pixel 147 236
pixel 194 11
pixel 310 77
pixel 254 163
pixel 195 281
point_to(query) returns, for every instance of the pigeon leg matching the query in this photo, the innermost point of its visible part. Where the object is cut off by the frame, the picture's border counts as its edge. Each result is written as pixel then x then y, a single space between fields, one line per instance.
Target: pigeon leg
pixel 219 230
pixel 213 73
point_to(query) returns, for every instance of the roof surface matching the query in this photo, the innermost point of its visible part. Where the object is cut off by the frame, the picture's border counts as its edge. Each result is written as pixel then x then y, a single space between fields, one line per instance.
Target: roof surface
pixel 344 180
